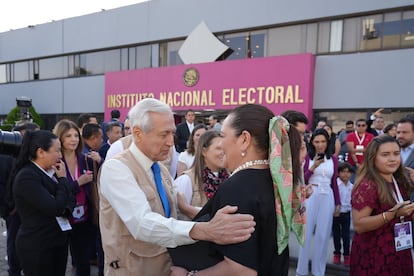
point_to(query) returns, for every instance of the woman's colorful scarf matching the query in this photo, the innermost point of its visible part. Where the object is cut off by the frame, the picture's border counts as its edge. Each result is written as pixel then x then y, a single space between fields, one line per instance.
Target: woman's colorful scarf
pixel 288 198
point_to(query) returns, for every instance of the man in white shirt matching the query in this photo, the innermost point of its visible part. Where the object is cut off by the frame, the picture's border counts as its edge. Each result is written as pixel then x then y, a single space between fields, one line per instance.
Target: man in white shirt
pixel 127 207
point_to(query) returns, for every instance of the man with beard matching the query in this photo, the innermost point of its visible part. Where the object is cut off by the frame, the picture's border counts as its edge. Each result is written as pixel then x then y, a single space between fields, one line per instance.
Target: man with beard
pixel 405 137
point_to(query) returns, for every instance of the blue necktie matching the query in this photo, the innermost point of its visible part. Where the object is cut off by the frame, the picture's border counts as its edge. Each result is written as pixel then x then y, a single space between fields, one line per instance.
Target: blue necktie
pixel 163 195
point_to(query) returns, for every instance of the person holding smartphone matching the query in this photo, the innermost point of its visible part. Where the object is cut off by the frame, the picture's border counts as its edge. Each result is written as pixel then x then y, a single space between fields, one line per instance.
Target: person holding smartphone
pixel 382 213
pixel 320 170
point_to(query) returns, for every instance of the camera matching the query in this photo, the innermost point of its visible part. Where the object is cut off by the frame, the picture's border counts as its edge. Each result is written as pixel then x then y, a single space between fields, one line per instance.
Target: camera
pixel 10 142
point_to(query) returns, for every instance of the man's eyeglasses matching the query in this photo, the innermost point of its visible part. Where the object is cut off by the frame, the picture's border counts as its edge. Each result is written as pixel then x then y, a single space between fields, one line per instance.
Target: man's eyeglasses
pixel 362 125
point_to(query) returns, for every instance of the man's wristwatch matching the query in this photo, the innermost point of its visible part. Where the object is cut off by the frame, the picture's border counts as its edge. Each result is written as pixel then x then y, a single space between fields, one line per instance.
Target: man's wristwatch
pixel 192 273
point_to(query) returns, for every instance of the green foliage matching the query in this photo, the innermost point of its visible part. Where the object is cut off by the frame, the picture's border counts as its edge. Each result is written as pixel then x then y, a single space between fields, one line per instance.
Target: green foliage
pixel 14 116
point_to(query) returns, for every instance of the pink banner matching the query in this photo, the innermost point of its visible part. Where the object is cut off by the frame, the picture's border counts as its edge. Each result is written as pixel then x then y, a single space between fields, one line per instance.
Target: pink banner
pixel 279 83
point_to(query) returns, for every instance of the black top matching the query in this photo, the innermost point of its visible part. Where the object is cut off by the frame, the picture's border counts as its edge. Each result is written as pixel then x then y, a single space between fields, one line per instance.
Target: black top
pixel 252 191
pixel 39 200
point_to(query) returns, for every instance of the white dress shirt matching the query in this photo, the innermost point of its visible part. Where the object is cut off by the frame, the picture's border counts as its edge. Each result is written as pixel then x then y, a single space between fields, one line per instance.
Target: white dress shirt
pixel 118 185
pixel 345 195
pixel 186 158
pixel 114 149
pixel 183 185
pixel 190 126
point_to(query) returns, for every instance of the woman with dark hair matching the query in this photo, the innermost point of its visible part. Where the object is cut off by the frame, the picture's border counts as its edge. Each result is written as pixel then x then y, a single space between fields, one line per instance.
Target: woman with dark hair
pixel 44 200
pixel 186 158
pixel 252 187
pixel 201 181
pixel 391 130
pixel 380 211
pixel 321 171
pixel 79 175
pixel 333 142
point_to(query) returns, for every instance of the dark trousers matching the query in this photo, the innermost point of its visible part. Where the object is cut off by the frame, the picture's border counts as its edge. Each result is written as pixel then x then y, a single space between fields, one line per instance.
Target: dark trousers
pixel 340 228
pixel 12 223
pixel 80 246
pixel 43 261
pixel 100 252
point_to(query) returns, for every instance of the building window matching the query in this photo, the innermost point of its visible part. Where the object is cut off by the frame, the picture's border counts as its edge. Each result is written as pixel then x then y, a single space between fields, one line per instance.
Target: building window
pixel 351 34
pixel 407 33
pixel 311 38
pixel 256 44
pixel 238 43
pixel 163 54
pixel 391 31
pixel 101 62
pixel 143 58
pixel 21 71
pixel 246 45
pixel 124 59
pixel 324 29
pixel 3 73
pixel 335 44
pixel 371 32
pixel 287 40
pixel 51 68
pixel 173 57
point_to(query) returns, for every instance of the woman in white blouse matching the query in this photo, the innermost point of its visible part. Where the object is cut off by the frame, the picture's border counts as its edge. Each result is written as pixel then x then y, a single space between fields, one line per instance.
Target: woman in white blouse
pixel 200 182
pixel 186 158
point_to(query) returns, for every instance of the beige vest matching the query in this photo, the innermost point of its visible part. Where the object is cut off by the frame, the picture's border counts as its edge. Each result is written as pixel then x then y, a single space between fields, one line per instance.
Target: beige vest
pixel 135 257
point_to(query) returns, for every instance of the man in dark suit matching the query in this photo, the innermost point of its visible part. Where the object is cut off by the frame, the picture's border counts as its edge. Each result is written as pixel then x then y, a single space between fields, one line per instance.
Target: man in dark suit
pixel 115 117
pixel 183 131
pixel 405 137
pixel 375 123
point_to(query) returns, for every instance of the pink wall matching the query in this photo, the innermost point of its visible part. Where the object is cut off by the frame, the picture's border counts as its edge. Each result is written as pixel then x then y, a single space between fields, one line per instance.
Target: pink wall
pixel 279 83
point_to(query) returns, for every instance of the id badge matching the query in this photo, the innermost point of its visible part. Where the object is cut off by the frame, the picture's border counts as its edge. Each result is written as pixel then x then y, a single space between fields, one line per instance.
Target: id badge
pixel 402 236
pixel 78 212
pixel 63 223
pixel 359 147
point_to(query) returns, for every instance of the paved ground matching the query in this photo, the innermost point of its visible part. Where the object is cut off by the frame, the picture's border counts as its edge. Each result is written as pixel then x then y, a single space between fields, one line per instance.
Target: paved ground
pixel 332 270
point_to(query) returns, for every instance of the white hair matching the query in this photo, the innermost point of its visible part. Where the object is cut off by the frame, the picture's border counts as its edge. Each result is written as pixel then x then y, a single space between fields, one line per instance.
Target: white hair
pixel 139 114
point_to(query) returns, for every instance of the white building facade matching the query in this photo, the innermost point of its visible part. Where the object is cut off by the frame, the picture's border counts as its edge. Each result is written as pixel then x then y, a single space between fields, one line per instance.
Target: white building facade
pixel 364 51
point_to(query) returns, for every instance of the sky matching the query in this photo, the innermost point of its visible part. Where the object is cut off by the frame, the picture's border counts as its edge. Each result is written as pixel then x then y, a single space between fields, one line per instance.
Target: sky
pixel 16 14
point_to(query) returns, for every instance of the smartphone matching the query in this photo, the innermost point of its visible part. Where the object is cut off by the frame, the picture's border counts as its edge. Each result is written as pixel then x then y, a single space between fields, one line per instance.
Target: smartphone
pixel 321 156
pixel 412 198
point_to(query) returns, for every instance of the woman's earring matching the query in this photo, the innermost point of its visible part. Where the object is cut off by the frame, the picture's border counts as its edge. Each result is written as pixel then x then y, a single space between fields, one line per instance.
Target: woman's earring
pixel 243 153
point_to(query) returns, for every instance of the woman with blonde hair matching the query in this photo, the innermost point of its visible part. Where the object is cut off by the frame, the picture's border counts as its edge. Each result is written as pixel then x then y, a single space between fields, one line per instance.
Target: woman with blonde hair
pixel 200 182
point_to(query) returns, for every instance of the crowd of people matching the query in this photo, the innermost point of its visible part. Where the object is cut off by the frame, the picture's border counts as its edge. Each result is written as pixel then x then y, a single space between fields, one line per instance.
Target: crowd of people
pixel 147 197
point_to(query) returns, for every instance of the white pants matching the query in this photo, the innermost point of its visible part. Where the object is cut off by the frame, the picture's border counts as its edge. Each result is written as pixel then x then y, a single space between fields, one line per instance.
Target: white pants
pixel 320 208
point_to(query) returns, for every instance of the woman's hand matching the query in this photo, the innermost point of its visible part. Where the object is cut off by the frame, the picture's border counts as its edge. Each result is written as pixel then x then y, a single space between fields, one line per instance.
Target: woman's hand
pixel 178 271
pixel 308 190
pixel 337 212
pixel 404 209
pixel 85 178
pixel 316 163
pixel 59 169
pixel 185 208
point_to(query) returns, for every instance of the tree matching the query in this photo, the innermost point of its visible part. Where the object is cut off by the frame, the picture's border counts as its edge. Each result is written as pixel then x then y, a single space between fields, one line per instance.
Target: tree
pixel 15 117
